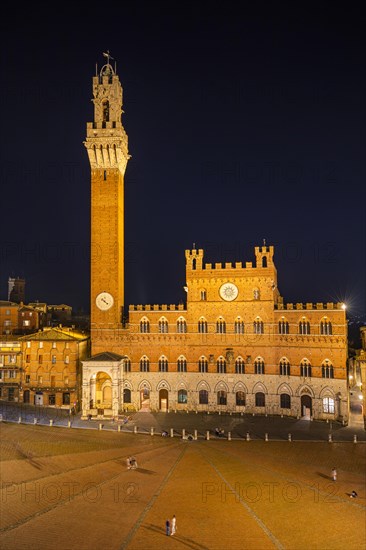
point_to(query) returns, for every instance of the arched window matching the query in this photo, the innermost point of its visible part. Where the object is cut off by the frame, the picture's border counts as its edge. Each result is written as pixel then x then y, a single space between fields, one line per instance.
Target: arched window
pixel 284 367
pixel 285 401
pixel 240 399
pixel 127 365
pixel 163 364
pixel 239 326
pixel 144 364
pixel 194 261
pixel 126 395
pixel 144 325
pixel 182 396
pixel 202 326
pixel 239 366
pixel 163 325
pixel 328 405
pixel 221 397
pixel 326 327
pixel 264 261
pixel 220 326
pixel 203 295
pixel 305 368
pixel 283 327
pixel 221 365
pixel 182 364
pixel 327 370
pixel 202 364
pixel 259 366
pixel 260 399
pixel 181 325
pixel 304 327
pixel 258 326
pixel 256 294
pixel 203 397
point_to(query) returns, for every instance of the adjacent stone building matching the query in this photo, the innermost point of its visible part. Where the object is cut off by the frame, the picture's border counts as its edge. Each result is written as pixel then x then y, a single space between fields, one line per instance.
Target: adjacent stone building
pixel 52 367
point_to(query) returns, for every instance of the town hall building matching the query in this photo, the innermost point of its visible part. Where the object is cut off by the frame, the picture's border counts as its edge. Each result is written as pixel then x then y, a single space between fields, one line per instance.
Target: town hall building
pixel 236 345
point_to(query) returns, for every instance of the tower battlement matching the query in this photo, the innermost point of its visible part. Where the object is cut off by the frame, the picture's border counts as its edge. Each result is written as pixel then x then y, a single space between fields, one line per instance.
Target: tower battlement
pixel 194 258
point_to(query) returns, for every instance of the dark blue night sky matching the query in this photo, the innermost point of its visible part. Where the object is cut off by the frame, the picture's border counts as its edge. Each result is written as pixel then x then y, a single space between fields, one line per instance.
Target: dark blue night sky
pixel 242 127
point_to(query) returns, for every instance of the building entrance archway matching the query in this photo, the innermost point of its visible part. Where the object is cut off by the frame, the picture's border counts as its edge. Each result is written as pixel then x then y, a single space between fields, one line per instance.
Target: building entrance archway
pixel 306 406
pixel 163 400
pixel 145 399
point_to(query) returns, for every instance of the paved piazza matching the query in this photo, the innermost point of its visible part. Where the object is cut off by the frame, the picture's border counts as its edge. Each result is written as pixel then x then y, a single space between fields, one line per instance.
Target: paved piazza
pixel 70 488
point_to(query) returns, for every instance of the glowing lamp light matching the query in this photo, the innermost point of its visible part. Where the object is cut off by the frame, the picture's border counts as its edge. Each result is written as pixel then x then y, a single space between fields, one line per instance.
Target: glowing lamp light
pixel 360 397
pixel 343 306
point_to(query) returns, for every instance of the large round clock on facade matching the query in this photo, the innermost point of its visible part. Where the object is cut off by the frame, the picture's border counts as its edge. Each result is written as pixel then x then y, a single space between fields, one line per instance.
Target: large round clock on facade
pixel 104 301
pixel 228 292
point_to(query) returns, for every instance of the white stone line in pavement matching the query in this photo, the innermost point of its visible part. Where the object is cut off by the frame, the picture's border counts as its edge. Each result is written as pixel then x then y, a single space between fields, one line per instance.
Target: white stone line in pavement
pixel 149 505
pixel 268 532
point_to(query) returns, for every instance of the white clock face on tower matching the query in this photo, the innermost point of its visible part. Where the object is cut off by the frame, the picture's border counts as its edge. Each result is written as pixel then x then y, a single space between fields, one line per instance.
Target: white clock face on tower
pixel 104 301
pixel 228 292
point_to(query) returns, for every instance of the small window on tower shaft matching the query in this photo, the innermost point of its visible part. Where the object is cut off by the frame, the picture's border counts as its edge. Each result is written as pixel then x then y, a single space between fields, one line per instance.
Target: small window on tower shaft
pixel 105 175
pixel 106 111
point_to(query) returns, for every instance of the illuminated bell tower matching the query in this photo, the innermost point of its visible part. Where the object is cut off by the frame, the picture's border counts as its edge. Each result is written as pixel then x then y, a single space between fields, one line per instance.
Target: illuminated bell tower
pixel 107 148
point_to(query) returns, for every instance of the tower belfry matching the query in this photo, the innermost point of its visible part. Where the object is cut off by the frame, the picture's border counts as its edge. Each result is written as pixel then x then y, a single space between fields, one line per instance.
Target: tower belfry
pixel 107 147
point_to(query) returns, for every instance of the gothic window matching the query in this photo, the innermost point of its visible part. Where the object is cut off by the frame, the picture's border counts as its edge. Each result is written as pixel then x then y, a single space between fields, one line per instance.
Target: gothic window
pixel 203 295
pixel 202 326
pixel 203 397
pixel 163 325
pixel 328 405
pixel 221 365
pixel 326 327
pixel 202 364
pixel 126 395
pixel 181 325
pixel 127 365
pixel 221 397
pixel 220 326
pixel 327 370
pixel 182 396
pixel 194 263
pixel 258 326
pixel 259 366
pixel 240 399
pixel 182 364
pixel 285 401
pixel 260 399
pixel 256 294
pixel 144 364
pixel 163 364
pixel 264 261
pixel 284 367
pixel 239 326
pixel 144 325
pixel 305 368
pixel 283 327
pixel 239 366
pixel 304 327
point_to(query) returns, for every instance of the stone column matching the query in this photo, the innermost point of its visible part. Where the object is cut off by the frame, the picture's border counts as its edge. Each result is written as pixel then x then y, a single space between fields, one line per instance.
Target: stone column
pixel 85 393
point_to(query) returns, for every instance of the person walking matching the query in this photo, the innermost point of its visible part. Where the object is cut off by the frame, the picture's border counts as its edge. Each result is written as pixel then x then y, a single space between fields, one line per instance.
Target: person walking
pixel 173 525
pixel 167 527
pixel 334 474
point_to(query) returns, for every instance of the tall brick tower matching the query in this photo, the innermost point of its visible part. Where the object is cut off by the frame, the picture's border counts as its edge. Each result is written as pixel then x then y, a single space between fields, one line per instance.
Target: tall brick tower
pixel 107 148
